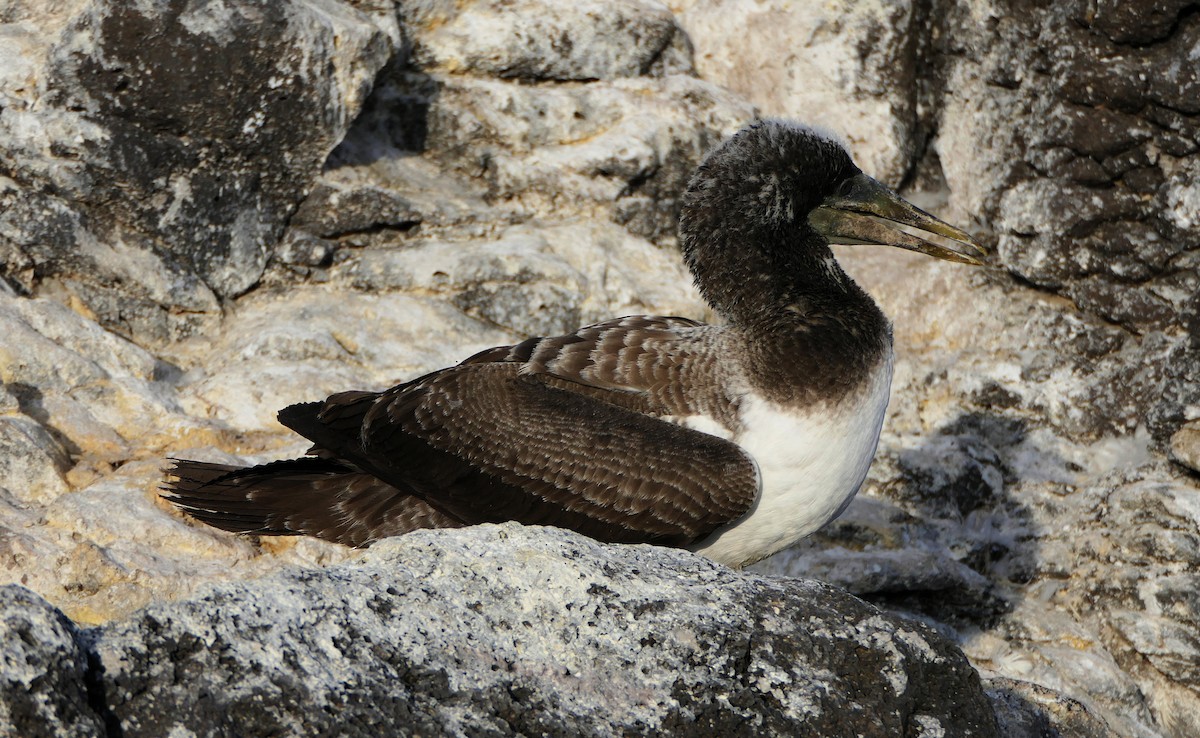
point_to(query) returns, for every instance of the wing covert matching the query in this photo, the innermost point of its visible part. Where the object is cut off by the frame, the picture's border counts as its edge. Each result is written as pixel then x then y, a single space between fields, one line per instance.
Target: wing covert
pixel 484 442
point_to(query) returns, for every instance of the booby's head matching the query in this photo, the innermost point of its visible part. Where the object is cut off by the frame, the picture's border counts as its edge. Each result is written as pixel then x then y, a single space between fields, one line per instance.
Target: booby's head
pixel 769 201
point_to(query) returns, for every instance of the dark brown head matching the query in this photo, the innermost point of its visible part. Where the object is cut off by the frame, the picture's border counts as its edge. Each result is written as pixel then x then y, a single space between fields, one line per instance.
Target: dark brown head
pixel 763 207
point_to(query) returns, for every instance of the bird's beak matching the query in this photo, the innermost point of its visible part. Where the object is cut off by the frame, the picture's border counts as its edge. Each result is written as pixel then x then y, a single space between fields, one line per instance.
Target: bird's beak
pixel 867 212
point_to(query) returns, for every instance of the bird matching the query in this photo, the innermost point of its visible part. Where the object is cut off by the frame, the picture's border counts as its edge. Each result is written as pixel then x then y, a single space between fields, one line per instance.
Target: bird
pixel 734 439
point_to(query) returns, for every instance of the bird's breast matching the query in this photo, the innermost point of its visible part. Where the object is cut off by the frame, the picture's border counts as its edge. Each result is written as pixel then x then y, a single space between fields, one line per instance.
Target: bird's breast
pixel 811 461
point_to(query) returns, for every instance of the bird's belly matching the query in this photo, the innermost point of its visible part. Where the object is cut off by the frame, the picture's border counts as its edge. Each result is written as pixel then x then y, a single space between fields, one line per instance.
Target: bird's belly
pixel 810 466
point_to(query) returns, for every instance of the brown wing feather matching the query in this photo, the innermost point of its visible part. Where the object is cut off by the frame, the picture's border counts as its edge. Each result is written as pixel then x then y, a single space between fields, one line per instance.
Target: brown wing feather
pixel 658 365
pixel 558 430
pixel 483 442
pixel 309 496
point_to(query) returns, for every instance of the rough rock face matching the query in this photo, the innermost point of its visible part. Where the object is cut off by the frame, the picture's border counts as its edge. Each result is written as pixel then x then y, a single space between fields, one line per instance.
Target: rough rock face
pixel 43 670
pixel 1091 183
pixel 852 67
pixel 153 153
pixel 500 630
pixel 517 631
pixel 182 256
pixel 1093 189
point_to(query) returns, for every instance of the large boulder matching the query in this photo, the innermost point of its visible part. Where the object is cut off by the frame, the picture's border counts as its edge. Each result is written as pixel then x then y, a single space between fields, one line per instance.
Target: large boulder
pixel 154 152
pixel 504 630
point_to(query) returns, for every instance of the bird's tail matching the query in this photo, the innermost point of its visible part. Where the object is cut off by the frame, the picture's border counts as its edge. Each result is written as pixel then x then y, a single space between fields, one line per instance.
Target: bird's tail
pixel 308 496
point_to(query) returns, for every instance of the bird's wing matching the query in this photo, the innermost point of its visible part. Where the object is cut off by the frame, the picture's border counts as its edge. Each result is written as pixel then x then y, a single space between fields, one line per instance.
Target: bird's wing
pixel 487 441
pixel 640 362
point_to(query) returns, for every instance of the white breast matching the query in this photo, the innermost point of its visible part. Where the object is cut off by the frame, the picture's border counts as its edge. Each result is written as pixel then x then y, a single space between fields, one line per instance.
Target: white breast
pixel 810 465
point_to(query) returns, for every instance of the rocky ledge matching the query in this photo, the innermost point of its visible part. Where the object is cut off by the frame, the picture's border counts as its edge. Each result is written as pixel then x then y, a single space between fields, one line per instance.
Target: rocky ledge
pixel 504 630
pixel 211 210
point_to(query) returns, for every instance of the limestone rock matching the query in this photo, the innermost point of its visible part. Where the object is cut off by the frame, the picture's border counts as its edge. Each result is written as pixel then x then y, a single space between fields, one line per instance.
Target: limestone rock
pixel 622 147
pixel 1072 143
pixel 1185 446
pixel 1090 178
pixel 1025 710
pixel 145 181
pixel 511 630
pixel 850 67
pixel 43 671
pixel 544 40
pixel 79 399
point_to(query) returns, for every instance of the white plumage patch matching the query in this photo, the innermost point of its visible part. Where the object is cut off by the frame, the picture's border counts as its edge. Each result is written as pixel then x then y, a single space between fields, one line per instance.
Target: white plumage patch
pixel 811 462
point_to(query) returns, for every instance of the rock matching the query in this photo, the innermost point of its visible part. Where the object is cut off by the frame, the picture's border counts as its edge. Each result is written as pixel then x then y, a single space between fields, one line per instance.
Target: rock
pixel 624 146
pixel 1025 710
pixel 850 67
pixel 537 40
pixel 1092 150
pixel 144 182
pixel 533 280
pixel 43 670
pixel 79 399
pixel 1185 446
pixel 32 460
pixel 514 630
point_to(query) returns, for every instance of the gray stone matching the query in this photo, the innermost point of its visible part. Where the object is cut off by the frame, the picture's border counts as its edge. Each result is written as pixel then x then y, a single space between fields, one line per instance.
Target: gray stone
pixel 546 40
pixel 854 68
pixel 31 459
pixel 508 630
pixel 1088 178
pixel 511 281
pixel 43 671
pixel 145 180
pixel 1025 710
pixel 1185 446
pixel 625 146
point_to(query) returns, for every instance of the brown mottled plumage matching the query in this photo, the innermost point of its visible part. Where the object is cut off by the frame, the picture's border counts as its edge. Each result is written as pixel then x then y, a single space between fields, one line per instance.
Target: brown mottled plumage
pixel 733 440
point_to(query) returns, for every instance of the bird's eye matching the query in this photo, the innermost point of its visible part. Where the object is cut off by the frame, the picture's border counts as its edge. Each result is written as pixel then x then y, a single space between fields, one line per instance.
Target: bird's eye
pixel 845 187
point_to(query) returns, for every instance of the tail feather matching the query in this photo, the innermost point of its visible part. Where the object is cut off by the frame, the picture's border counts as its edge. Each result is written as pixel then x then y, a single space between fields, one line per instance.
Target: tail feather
pixel 307 496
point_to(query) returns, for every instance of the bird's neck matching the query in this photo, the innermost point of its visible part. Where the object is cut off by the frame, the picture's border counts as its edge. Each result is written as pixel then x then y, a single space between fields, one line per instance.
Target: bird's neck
pixel 810 332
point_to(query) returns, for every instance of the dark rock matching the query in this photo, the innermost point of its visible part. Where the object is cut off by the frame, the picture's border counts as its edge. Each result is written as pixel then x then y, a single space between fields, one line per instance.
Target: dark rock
pixel 1084 146
pixel 1088 179
pixel 1026 710
pixel 183 138
pixel 953 475
pixel 43 671
pixel 331 212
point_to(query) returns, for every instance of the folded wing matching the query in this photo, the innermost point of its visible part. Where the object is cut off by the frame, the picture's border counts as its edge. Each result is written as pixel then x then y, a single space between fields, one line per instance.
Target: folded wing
pixel 564 431
pixel 484 442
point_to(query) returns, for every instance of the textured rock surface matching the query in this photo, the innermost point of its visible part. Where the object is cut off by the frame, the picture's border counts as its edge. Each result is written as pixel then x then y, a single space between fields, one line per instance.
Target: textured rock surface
pixel 497 183
pixel 153 152
pixel 43 671
pixel 1024 709
pixel 1092 186
pixel 509 630
pixel 853 68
